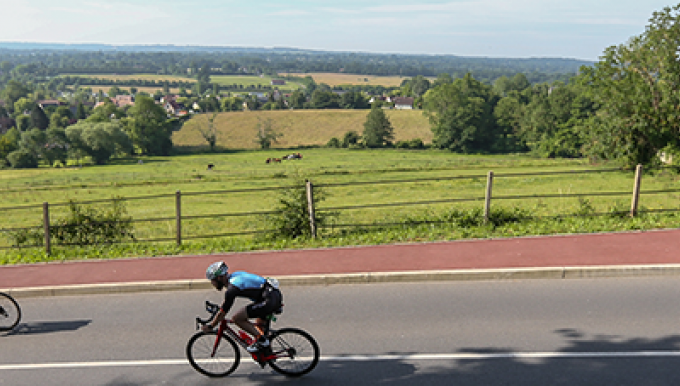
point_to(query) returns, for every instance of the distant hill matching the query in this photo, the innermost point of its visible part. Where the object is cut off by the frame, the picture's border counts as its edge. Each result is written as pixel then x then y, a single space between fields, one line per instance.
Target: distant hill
pixel 253 60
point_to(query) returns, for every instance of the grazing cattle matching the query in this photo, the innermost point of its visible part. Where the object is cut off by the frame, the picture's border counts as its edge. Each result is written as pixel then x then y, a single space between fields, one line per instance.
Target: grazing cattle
pixel 270 160
pixel 293 156
pixel 211 166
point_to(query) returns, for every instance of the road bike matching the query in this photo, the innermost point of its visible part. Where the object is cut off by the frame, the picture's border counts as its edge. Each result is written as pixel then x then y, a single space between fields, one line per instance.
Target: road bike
pixel 10 313
pixel 291 352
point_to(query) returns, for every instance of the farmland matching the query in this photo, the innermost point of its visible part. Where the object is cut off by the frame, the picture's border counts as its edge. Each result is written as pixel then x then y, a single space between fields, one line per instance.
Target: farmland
pixel 237 130
pixel 337 79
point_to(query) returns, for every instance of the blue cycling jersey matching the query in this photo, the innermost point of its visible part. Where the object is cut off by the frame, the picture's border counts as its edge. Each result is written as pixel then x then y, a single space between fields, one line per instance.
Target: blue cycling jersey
pixel 245 280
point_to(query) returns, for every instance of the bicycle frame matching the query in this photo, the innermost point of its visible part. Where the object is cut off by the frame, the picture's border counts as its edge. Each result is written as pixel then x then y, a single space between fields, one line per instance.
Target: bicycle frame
pixel 225 328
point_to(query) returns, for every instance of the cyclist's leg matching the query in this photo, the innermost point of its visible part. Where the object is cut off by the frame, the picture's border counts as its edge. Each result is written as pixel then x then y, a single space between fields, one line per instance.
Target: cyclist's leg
pixel 241 320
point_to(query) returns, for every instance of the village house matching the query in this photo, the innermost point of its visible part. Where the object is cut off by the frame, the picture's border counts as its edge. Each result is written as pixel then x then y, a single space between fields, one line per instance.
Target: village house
pixel 175 108
pixel 402 103
pixel 278 82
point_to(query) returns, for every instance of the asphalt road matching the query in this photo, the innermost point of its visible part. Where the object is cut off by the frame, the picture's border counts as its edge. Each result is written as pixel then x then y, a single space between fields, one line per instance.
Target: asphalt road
pixel 555 332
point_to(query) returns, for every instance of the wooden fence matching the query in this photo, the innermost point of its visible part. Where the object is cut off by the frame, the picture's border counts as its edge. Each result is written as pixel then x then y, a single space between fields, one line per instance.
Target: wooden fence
pixel 313 208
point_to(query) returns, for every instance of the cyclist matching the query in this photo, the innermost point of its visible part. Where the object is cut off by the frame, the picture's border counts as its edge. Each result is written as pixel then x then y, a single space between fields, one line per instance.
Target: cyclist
pixel 265 296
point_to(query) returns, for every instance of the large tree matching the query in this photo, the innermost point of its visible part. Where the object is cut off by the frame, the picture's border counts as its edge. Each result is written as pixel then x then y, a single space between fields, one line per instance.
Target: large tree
pixel 637 88
pixel 461 115
pixel 99 140
pixel 378 130
pixel 148 127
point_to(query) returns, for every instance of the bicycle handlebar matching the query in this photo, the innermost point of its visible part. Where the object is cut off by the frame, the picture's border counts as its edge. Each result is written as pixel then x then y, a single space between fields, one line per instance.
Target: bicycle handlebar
pixel 213 309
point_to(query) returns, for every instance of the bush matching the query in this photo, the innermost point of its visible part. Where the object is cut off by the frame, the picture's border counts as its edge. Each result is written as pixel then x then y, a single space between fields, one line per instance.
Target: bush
pixel 291 220
pixel 88 226
pixel 22 159
pixel 83 226
pixel 334 142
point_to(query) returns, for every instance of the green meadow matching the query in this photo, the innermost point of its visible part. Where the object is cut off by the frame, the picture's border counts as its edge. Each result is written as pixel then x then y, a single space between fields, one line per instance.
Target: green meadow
pixel 222 200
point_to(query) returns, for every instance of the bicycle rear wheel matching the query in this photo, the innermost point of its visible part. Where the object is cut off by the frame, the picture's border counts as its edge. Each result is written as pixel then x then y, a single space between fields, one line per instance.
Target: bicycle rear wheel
pixel 10 313
pixel 199 352
pixel 297 352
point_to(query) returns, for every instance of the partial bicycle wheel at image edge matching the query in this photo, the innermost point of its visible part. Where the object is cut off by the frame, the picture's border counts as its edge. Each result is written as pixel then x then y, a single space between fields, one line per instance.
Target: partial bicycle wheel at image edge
pixel 10 313
pixel 200 354
pixel 296 351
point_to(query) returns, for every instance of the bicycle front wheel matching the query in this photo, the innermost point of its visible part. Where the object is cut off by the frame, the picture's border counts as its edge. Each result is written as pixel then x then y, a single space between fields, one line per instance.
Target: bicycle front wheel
pixel 10 313
pixel 296 352
pixel 200 354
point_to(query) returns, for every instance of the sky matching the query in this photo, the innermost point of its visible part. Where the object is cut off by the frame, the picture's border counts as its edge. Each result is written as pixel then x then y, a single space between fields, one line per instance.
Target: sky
pixel 577 29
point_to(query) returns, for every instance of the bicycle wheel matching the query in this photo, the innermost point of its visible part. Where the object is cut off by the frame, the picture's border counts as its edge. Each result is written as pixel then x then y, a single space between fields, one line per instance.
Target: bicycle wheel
pixel 199 353
pixel 297 352
pixel 10 313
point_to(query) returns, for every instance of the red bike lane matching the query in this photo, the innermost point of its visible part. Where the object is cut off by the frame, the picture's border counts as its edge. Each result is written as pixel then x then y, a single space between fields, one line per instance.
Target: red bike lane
pixel 602 249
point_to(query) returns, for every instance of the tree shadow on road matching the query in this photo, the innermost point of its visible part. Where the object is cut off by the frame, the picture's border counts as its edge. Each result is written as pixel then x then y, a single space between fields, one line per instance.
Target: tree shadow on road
pixel 35 328
pixel 611 360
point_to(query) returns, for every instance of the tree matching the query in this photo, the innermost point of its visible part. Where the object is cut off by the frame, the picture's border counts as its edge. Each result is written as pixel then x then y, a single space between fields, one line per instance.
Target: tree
pixel 461 115
pixel 378 130
pixel 636 86
pixel 14 91
pixel 61 117
pixel 148 127
pixel 350 139
pixel 265 133
pixel 297 100
pixel 210 133
pixel 99 140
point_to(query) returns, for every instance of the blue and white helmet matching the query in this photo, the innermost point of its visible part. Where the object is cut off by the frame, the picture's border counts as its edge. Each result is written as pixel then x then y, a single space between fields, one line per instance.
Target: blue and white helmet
pixel 216 269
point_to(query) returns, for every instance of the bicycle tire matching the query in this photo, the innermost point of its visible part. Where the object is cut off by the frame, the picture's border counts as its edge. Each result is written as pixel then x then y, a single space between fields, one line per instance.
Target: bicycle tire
pixel 297 350
pixel 10 312
pixel 199 350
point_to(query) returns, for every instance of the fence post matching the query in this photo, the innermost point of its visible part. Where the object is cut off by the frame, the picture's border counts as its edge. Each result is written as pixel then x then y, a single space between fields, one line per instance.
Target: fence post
pixel 636 191
pixel 46 227
pixel 487 199
pixel 178 216
pixel 310 205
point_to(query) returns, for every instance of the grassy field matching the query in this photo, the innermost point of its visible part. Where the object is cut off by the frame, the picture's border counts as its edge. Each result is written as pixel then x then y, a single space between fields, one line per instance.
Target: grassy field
pixel 362 175
pixel 337 79
pixel 237 130
pixel 250 81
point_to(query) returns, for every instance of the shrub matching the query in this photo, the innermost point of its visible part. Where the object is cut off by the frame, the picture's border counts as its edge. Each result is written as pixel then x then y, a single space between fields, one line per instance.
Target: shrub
pixel 21 159
pixel 334 142
pixel 291 219
pixel 87 226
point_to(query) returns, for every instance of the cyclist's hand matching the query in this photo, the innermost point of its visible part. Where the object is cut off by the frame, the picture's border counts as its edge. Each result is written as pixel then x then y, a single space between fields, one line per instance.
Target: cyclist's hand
pixel 206 328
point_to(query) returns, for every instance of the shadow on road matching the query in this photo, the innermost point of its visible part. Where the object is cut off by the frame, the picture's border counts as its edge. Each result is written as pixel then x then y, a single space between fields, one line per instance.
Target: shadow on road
pixel 48 327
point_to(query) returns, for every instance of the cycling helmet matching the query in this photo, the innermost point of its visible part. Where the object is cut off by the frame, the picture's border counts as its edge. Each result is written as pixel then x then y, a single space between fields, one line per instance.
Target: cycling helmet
pixel 216 269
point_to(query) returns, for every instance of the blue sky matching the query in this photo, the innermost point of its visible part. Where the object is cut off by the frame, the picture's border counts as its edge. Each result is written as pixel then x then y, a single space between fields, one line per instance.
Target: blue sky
pixel 494 28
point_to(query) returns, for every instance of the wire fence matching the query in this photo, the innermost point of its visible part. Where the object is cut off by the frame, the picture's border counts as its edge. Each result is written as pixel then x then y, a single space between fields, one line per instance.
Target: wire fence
pixel 43 234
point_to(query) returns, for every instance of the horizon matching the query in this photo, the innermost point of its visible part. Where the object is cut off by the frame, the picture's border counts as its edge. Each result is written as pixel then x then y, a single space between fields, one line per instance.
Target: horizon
pixel 522 29
pixel 234 47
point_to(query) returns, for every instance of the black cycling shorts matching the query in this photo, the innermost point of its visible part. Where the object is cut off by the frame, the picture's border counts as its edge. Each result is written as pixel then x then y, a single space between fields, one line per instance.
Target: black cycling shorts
pixel 273 300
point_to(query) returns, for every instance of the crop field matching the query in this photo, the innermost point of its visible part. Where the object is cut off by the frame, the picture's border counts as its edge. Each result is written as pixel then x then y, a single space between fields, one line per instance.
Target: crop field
pixel 154 77
pixel 222 200
pixel 148 90
pixel 250 81
pixel 337 79
pixel 237 130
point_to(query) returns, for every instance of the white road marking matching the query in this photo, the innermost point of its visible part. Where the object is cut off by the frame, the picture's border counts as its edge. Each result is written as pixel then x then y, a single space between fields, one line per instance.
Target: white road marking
pixel 363 358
